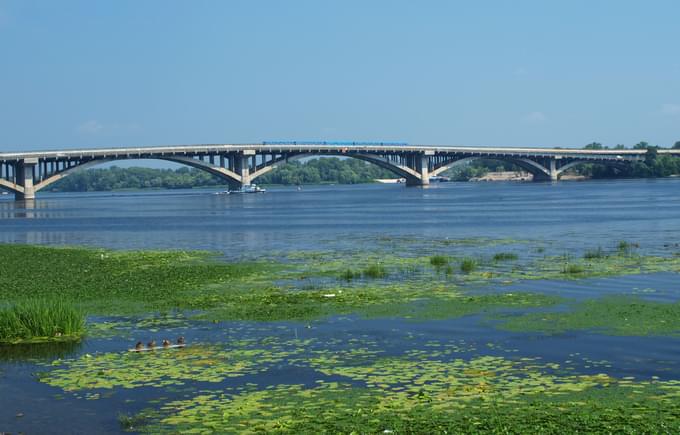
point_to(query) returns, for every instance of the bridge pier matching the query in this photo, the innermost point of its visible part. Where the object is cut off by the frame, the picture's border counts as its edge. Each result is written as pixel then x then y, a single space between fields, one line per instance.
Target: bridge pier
pixel 422 167
pixel 25 169
pixel 242 166
pixel 551 175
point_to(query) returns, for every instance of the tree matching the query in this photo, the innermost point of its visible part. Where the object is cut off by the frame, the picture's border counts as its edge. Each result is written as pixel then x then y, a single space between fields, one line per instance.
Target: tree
pixel 650 156
pixel 594 146
pixel 676 146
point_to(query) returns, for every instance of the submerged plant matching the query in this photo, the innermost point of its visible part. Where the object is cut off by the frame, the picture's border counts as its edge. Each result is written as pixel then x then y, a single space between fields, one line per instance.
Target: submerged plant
pixel 36 320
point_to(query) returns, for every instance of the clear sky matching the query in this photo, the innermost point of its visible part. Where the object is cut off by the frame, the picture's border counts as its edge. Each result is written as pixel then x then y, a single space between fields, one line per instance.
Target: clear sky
pixel 494 73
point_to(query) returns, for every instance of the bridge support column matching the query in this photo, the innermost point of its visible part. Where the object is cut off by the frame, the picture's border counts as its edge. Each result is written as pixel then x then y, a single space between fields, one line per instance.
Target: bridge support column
pixel 242 168
pixel 552 172
pixel 25 169
pixel 422 166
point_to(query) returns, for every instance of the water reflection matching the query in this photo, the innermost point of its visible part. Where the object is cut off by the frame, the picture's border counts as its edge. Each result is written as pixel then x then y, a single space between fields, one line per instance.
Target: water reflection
pixel 40 351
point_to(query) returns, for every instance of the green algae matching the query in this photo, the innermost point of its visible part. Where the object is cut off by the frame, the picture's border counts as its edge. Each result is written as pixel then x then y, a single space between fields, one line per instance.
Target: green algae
pixel 410 394
pixel 161 368
pixel 112 282
pixel 613 315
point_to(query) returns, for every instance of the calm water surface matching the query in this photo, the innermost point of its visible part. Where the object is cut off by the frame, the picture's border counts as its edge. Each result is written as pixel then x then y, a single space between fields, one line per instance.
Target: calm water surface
pixel 568 216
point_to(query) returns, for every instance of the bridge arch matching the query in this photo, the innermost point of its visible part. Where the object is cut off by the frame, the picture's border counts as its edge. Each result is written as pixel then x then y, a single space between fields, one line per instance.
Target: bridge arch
pixel 531 166
pixel 223 173
pixel 401 171
pixel 620 165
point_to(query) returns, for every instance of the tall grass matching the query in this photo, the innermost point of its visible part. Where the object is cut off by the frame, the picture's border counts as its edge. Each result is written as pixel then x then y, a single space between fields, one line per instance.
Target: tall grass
pixel 40 320
pixel 468 265
pixel 505 256
pixel 439 260
pixel 573 269
pixel 375 271
pixel 593 254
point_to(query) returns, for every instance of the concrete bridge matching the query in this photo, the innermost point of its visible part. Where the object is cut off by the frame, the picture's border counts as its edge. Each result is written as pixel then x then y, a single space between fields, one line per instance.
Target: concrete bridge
pixel 28 172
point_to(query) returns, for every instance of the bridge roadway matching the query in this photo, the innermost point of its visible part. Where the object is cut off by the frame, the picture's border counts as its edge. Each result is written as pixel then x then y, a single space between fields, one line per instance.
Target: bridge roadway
pixel 25 173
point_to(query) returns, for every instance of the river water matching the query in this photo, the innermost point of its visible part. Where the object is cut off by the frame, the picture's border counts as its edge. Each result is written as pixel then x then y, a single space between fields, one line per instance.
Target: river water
pixel 566 216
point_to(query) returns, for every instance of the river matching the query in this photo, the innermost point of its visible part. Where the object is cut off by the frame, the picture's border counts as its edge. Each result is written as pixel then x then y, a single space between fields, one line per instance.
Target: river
pixel 565 216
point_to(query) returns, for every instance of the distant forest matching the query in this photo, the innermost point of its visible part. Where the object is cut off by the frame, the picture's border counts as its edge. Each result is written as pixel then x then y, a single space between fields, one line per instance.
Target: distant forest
pixel 339 171
pixel 316 171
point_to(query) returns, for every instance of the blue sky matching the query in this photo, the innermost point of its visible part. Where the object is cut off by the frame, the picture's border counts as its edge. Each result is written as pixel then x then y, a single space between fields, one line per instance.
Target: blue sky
pixel 494 73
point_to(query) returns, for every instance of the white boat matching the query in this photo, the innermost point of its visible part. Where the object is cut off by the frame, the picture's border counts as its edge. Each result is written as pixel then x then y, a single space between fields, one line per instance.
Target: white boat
pixel 251 188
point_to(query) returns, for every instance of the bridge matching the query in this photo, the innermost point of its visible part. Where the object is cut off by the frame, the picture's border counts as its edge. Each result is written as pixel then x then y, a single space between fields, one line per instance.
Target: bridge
pixel 25 173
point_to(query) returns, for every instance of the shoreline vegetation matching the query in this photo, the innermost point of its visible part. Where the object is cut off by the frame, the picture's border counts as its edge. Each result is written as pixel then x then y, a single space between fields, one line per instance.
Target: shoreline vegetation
pixel 70 283
pixel 361 385
pixel 333 170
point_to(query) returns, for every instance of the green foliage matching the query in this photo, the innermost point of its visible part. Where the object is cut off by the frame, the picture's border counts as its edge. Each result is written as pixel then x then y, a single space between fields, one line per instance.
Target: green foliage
pixel 505 256
pixel 349 275
pixel 325 170
pixel 375 271
pixel 620 315
pixel 625 247
pixel 594 253
pixel 573 269
pixel 110 282
pixel 468 265
pixel 439 260
pixel 478 168
pixel 322 170
pixel 40 320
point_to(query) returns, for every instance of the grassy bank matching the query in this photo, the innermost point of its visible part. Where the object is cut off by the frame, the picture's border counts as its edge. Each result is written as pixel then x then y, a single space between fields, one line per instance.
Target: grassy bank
pixel 41 320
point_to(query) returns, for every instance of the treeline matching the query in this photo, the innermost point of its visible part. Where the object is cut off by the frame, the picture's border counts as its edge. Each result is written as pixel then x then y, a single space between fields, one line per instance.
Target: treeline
pixel 116 178
pixel 653 166
pixel 324 170
pixel 478 168
pixel 344 171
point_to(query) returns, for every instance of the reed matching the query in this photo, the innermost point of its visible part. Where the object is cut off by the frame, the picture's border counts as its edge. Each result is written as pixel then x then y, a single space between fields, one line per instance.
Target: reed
pixel 593 254
pixel 439 260
pixel 468 265
pixel 37 320
pixel 505 256
pixel 375 271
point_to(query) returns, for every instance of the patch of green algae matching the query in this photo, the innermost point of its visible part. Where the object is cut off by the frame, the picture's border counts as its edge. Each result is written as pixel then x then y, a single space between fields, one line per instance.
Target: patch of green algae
pixel 408 395
pixel 436 387
pixel 304 286
pixel 161 368
pixel 613 315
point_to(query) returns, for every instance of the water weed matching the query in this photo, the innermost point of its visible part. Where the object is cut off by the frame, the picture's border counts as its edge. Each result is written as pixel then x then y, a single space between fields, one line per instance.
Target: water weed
pixel 468 265
pixel 617 315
